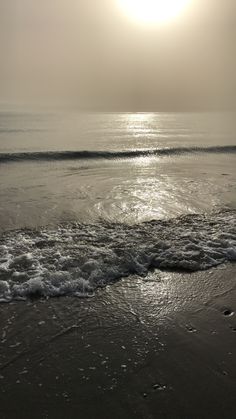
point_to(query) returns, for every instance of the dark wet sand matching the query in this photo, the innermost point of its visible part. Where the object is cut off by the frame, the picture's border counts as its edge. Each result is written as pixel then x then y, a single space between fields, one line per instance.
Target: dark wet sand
pixel 157 348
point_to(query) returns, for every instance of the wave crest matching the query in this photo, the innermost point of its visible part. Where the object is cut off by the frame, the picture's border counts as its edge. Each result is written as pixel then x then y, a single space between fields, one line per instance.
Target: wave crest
pixel 126 154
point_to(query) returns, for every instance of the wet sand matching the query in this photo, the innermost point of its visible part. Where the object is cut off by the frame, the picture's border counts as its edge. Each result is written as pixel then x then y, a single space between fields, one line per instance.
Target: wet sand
pixel 160 347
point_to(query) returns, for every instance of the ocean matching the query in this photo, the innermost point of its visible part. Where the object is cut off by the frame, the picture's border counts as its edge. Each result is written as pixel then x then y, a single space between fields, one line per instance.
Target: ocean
pixel 89 198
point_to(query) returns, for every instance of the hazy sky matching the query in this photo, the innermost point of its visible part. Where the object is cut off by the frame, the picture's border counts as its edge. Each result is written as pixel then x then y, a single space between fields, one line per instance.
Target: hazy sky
pixel 90 54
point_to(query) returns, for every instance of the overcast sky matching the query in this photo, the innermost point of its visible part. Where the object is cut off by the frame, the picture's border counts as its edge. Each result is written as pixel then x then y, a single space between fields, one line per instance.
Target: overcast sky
pixel 90 54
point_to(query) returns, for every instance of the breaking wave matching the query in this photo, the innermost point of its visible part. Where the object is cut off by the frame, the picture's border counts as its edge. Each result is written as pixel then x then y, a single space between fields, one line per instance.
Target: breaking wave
pixel 74 259
pixel 80 155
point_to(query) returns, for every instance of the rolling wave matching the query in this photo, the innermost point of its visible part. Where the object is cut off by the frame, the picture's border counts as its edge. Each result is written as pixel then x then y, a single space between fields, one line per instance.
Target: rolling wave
pixel 19 130
pixel 126 154
pixel 75 259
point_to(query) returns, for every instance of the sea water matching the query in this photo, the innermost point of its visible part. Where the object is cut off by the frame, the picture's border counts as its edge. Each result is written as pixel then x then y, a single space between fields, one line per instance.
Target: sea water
pixel 86 199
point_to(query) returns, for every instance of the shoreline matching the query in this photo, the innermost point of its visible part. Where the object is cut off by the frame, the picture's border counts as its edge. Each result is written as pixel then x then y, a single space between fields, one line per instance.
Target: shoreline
pixel 159 347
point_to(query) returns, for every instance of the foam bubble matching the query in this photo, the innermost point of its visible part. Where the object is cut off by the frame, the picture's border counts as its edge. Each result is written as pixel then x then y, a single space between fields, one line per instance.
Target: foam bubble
pixel 75 259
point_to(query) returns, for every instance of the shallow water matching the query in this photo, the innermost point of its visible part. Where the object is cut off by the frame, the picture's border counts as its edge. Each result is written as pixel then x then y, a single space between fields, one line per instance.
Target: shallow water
pixel 136 167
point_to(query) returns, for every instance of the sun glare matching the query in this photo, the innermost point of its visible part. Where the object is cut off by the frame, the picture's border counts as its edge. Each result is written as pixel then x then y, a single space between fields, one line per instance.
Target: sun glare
pixel 153 11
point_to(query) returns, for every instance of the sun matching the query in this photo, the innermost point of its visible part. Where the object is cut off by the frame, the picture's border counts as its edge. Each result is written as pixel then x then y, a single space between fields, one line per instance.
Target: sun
pixel 153 11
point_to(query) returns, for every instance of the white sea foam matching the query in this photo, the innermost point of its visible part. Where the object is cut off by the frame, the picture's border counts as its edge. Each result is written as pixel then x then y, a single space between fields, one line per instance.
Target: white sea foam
pixel 75 259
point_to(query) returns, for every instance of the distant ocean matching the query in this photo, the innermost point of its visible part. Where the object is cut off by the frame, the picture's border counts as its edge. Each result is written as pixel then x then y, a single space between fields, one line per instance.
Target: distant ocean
pixel 87 199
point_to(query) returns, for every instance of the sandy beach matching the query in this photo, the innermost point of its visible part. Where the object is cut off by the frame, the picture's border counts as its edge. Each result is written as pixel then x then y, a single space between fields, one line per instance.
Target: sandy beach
pixel 160 347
